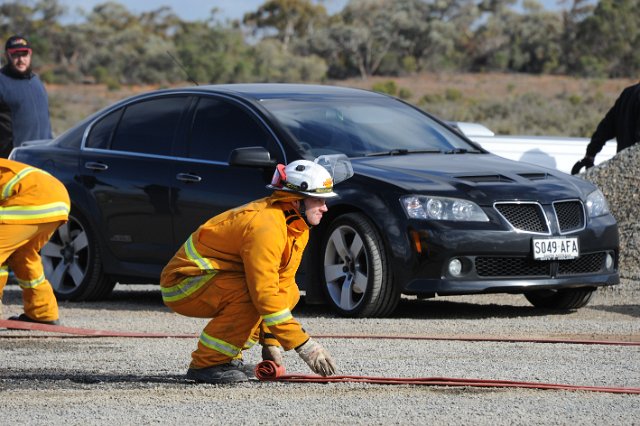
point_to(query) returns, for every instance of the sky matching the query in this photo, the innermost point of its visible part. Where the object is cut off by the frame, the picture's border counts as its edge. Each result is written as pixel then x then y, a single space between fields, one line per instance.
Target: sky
pixel 190 10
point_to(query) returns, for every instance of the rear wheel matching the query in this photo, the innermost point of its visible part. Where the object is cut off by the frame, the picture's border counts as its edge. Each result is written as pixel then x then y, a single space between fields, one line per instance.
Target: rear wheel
pixel 563 299
pixel 72 263
pixel 357 279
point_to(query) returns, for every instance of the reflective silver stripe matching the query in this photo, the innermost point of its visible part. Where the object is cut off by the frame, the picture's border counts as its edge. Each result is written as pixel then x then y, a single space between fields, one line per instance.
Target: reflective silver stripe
pixel 219 345
pixel 249 344
pixel 31 283
pixel 277 318
pixel 193 255
pixel 185 288
pixel 8 187
pixel 34 212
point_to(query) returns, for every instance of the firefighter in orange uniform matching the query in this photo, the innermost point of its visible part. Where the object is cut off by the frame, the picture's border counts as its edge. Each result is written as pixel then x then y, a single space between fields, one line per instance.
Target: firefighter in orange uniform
pixel 32 206
pixel 239 269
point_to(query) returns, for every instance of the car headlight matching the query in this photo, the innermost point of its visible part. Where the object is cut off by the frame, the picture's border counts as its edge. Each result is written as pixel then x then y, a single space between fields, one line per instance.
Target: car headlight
pixel 442 208
pixel 596 204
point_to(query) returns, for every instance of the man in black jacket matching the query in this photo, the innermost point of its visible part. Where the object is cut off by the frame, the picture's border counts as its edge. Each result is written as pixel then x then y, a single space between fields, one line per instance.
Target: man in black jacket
pixel 24 104
pixel 621 122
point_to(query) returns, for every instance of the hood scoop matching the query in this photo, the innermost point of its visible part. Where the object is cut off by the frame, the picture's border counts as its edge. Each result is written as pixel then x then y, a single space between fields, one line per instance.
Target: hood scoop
pixel 485 178
pixel 535 176
pixel 497 178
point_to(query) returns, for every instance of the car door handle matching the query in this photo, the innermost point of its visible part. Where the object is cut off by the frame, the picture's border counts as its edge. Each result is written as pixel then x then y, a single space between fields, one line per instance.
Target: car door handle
pixel 95 166
pixel 188 177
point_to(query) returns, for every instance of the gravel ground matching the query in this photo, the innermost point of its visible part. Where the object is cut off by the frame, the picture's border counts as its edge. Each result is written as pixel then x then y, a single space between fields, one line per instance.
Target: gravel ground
pixel 97 381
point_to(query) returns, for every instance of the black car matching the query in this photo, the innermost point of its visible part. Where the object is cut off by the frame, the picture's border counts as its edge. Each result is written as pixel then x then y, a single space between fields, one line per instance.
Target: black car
pixel 427 212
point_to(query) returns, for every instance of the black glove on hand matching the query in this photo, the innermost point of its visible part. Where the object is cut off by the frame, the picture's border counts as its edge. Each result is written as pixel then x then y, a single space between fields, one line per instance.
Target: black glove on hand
pixel 586 162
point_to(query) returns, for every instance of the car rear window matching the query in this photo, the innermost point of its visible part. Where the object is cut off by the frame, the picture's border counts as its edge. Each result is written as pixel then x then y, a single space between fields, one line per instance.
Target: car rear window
pixel 149 126
pixel 102 131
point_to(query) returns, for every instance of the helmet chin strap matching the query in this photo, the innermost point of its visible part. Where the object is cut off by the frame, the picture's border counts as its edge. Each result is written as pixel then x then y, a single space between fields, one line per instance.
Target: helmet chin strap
pixel 302 209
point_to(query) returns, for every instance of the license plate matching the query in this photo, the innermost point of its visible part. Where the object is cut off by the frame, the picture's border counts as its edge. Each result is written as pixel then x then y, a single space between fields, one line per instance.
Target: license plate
pixel 555 248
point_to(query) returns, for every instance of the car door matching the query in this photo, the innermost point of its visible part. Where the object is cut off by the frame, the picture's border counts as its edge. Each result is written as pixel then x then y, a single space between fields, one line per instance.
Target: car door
pixel 204 182
pixel 127 167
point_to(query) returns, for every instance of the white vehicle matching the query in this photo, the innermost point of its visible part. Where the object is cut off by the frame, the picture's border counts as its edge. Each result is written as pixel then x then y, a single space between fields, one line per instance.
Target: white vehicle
pixel 553 152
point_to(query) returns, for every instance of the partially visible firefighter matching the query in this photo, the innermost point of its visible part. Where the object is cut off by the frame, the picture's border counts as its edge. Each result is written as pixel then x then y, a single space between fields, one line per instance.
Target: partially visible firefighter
pixel 33 204
pixel 239 269
pixel 621 122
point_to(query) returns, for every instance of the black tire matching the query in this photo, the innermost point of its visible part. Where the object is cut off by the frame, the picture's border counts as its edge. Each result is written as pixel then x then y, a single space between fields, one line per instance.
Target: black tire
pixel 72 263
pixel 563 299
pixel 356 276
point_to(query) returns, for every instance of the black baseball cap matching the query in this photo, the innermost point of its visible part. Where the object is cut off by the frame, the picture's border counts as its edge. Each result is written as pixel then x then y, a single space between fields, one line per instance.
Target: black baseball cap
pixel 17 43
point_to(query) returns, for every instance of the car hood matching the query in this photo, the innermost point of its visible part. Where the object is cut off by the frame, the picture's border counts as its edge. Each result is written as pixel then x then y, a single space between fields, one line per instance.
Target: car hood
pixel 483 178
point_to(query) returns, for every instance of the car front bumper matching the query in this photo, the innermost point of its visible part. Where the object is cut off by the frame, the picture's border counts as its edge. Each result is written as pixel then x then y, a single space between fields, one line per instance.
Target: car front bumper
pixel 498 261
pixel 458 287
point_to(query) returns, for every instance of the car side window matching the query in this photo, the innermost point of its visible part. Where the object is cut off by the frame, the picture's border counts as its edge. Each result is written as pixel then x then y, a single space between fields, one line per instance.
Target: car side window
pixel 219 127
pixel 102 130
pixel 149 126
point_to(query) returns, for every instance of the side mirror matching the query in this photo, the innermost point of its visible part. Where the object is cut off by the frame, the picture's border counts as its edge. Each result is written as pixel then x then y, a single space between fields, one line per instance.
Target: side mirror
pixel 252 156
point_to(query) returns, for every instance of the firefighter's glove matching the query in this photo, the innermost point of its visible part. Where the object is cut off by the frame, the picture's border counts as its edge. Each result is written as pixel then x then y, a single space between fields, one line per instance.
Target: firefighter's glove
pixel 317 358
pixel 272 353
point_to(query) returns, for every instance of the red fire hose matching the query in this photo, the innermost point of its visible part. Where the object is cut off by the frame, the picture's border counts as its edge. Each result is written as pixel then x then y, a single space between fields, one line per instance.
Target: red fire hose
pixel 86 332
pixel 80 332
pixel 269 371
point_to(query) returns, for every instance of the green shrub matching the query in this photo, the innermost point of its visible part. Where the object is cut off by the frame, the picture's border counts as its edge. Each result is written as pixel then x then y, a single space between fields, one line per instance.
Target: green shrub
pixel 452 94
pixel 113 84
pixel 430 99
pixel 575 99
pixel 405 93
pixel 389 87
pixel 409 64
pixel 101 74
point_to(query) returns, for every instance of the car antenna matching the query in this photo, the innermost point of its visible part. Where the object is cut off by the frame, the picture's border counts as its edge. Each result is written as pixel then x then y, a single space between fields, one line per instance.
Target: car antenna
pixel 183 68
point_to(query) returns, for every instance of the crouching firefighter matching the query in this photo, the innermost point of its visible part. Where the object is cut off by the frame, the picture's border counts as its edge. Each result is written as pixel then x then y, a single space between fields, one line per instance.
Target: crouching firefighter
pixel 239 267
pixel 33 204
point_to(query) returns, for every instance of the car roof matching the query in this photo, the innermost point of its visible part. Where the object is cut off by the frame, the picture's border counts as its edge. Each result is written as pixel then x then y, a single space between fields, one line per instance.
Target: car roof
pixel 258 91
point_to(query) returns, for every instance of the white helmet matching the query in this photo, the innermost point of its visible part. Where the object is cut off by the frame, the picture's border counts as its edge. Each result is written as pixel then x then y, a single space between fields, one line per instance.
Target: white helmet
pixel 303 177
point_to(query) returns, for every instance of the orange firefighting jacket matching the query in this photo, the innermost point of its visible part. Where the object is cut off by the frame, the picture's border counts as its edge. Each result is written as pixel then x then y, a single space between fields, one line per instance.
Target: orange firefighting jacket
pixel 262 242
pixel 29 195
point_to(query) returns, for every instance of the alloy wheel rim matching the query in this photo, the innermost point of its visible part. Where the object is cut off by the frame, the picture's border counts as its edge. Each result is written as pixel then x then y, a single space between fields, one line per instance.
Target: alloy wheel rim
pixel 65 257
pixel 346 268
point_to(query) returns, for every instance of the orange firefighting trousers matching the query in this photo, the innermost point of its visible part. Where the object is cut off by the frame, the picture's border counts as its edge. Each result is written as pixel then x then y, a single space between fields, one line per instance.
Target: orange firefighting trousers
pixel 236 324
pixel 19 250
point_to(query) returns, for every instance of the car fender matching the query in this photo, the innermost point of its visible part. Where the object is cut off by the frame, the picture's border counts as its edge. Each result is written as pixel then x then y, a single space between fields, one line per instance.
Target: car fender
pixel 376 210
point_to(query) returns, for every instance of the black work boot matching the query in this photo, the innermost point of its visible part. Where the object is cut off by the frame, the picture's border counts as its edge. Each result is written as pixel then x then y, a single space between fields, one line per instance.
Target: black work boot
pixel 223 373
pixel 25 318
pixel 248 369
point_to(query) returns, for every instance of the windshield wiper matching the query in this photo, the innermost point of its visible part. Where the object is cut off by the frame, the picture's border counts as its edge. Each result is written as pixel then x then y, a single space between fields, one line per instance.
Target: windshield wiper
pixel 458 151
pixel 403 151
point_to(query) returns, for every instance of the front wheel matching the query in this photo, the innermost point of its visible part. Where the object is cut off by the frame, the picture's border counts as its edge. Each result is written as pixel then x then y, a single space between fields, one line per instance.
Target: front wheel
pixel 563 299
pixel 357 279
pixel 72 263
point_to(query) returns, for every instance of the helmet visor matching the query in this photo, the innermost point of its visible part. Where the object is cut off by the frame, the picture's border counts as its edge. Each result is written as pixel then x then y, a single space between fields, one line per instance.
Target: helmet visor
pixel 338 166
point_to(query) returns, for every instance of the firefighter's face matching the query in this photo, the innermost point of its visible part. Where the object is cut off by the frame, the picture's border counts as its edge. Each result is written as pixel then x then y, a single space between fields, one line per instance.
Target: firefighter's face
pixel 314 209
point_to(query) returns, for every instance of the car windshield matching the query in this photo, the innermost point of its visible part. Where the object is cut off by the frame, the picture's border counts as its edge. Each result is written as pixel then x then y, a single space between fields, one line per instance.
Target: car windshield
pixel 362 127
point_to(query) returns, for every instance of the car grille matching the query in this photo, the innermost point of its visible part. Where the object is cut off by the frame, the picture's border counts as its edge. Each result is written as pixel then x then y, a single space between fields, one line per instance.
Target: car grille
pixel 487 266
pixel 583 265
pixel 527 217
pixel 570 215
pixel 530 217
pixel 511 267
